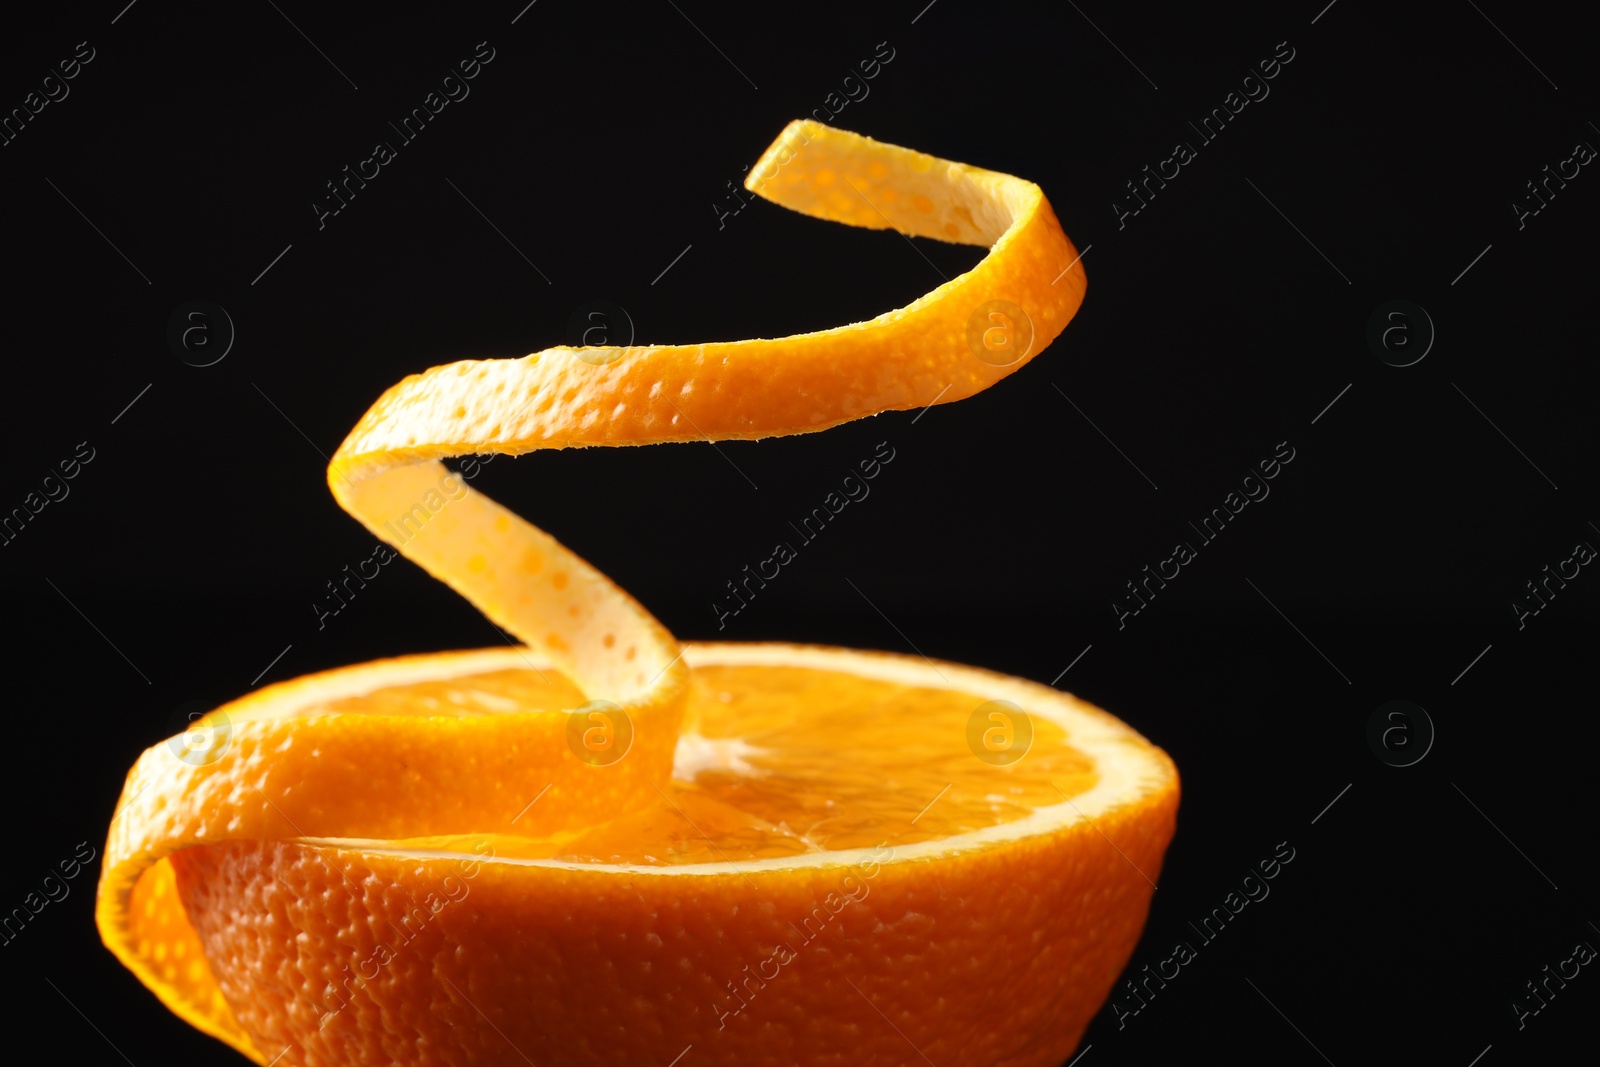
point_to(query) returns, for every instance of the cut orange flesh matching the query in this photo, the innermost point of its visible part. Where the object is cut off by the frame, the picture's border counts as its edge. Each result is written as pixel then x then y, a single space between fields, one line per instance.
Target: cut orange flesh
pixel 632 818
pixel 827 824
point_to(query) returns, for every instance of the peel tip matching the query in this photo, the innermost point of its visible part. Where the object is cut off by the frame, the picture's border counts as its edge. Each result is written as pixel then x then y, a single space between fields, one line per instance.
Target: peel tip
pixel 789 142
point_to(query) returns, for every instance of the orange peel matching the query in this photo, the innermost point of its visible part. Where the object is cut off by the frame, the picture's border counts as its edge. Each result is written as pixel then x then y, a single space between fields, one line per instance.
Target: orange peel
pixel 442 777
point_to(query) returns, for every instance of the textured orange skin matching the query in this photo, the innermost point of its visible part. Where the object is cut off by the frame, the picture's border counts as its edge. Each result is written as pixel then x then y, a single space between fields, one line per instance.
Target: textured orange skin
pixel 999 961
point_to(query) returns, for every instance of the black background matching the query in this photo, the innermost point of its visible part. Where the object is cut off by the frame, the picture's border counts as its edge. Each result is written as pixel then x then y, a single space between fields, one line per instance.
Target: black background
pixel 597 141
